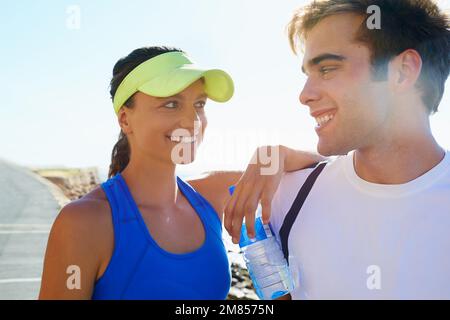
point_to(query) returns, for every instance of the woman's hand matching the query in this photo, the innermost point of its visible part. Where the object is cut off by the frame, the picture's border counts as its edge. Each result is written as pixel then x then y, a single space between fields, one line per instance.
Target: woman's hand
pixel 259 183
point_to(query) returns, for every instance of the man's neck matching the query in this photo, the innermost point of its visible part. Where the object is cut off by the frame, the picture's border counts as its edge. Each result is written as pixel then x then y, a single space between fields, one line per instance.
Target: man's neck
pixel 398 162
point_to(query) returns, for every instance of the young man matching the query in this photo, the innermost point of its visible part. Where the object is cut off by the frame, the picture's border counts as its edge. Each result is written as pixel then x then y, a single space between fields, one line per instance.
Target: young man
pixel 374 223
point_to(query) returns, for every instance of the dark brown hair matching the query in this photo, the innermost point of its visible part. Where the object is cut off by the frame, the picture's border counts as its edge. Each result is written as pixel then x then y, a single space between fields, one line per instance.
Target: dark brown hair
pixel 405 24
pixel 121 151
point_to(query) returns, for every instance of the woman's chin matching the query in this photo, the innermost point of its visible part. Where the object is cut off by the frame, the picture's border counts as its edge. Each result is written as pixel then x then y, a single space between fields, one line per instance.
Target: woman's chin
pixel 183 154
pixel 183 160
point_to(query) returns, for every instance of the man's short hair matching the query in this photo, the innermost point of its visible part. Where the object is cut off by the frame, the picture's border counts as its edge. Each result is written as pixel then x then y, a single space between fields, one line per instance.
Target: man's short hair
pixel 405 24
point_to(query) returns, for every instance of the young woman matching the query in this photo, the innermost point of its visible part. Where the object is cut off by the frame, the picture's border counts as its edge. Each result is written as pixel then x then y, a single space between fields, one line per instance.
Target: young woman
pixel 145 233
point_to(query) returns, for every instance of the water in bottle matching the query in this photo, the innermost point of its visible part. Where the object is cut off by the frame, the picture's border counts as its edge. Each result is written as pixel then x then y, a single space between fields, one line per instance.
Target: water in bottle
pixel 265 261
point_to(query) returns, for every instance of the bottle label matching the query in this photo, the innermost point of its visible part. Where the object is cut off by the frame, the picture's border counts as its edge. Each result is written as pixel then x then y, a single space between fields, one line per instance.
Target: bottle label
pixel 262 231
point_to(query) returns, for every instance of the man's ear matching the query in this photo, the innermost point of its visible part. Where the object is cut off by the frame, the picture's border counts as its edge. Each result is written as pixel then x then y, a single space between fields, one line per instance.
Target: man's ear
pixel 123 119
pixel 404 70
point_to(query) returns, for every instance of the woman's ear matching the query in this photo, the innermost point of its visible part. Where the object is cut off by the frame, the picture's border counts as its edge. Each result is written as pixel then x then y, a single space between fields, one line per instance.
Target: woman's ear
pixel 123 119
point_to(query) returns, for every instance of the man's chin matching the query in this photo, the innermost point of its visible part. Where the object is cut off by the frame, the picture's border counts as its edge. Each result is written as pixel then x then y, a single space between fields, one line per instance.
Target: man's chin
pixel 331 149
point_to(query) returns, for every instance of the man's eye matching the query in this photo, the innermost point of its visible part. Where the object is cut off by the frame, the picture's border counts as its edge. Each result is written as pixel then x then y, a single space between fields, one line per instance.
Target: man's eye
pixel 171 104
pixel 326 70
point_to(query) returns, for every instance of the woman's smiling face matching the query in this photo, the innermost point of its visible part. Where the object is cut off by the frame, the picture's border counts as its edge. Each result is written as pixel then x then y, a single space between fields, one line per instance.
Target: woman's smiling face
pixel 166 129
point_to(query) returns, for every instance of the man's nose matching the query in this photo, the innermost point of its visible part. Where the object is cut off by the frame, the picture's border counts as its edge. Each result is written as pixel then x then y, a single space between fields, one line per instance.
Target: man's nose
pixel 309 93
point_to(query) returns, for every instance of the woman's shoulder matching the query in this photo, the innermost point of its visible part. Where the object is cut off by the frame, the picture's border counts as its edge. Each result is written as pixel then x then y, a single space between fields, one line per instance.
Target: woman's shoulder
pixel 82 235
pixel 90 208
pixel 88 220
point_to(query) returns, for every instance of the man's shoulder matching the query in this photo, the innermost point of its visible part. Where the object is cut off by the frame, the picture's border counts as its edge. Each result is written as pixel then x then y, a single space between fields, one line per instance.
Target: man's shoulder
pixel 291 182
pixel 295 179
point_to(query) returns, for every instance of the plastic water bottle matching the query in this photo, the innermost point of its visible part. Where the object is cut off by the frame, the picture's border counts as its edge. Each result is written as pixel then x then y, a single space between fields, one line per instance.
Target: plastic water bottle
pixel 265 261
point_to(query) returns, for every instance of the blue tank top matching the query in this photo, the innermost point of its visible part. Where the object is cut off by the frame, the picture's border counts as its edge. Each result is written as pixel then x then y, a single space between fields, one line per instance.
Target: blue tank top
pixel 140 269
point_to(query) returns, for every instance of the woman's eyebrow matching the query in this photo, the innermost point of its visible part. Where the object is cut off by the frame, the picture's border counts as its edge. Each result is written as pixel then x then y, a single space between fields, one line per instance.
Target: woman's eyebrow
pixel 181 97
pixel 325 56
pixel 202 96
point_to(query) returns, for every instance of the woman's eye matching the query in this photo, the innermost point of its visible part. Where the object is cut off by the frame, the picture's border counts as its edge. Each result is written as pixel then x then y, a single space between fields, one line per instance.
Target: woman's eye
pixel 200 104
pixel 171 104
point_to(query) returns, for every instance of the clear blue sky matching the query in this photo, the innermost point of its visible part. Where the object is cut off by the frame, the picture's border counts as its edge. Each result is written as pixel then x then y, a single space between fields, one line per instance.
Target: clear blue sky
pixel 56 109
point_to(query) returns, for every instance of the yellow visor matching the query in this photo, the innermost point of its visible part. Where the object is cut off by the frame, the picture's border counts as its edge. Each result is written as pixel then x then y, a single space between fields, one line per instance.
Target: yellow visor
pixel 170 73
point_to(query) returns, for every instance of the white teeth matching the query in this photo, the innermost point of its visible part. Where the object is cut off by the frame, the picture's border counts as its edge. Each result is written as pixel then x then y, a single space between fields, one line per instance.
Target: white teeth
pixel 188 139
pixel 322 120
pixel 183 139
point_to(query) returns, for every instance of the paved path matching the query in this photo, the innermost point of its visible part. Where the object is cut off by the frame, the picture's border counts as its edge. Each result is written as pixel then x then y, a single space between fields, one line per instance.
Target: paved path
pixel 27 210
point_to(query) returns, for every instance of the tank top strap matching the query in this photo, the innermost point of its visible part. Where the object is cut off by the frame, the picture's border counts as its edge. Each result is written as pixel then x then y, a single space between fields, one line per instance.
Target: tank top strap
pixel 115 189
pixel 202 206
pixel 120 208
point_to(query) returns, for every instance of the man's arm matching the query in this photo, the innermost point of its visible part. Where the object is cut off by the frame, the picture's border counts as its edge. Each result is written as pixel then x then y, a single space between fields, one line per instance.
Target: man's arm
pixel 297 159
pixel 258 185
pixel 214 185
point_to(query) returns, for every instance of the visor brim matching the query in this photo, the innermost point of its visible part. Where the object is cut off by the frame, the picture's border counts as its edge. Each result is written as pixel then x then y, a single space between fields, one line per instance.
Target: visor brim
pixel 218 84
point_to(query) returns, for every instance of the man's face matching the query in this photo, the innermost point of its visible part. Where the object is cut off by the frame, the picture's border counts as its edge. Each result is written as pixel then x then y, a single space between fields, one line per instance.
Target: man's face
pixel 351 109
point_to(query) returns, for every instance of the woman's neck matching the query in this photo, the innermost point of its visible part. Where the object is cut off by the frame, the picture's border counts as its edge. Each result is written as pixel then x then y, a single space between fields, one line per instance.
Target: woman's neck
pixel 152 183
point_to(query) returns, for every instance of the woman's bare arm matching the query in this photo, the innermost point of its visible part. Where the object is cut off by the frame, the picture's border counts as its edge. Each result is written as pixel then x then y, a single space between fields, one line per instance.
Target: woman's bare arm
pixel 73 254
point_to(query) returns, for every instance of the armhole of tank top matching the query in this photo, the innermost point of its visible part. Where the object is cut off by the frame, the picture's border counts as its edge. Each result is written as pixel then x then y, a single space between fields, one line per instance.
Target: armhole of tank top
pixel 206 206
pixel 116 230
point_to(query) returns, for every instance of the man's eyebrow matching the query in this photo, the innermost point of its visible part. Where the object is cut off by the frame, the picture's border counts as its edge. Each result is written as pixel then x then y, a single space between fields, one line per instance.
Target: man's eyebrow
pixel 325 56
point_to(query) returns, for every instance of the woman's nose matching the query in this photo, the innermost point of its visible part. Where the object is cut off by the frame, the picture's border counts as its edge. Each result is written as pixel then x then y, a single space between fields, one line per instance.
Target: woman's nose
pixel 190 119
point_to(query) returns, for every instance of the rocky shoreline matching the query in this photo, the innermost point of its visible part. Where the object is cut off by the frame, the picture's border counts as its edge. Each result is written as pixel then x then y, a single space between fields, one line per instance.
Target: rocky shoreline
pixel 75 183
